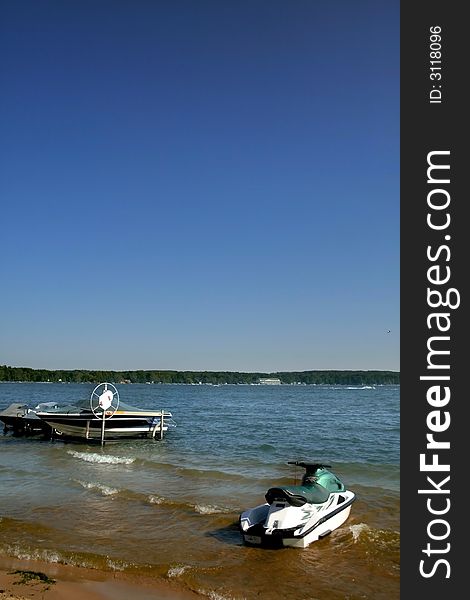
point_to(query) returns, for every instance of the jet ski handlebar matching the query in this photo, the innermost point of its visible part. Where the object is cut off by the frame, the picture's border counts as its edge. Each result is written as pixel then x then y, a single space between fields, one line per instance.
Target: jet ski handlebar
pixel 311 467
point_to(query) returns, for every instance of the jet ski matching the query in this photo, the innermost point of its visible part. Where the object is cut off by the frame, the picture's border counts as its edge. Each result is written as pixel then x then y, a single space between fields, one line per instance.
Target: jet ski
pixel 298 515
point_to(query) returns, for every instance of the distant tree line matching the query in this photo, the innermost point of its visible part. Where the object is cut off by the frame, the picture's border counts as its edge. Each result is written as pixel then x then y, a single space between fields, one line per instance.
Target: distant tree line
pixel 215 377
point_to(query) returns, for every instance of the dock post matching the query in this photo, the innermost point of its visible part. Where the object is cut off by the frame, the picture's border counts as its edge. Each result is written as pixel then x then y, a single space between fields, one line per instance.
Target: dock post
pixel 102 428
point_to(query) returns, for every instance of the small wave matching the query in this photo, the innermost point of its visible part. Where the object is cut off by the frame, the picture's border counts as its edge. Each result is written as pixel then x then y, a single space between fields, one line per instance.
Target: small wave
pixel 362 387
pixel 116 566
pixel 93 457
pixel 202 509
pixel 104 489
pixel 210 509
pixel 43 555
pixel 177 570
pixel 156 500
pixel 266 447
pixel 74 559
pixel 357 529
pixel 161 500
pixel 215 595
pixel 381 538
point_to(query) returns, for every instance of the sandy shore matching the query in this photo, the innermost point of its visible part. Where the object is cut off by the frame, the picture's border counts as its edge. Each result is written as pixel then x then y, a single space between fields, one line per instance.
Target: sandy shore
pixel 74 583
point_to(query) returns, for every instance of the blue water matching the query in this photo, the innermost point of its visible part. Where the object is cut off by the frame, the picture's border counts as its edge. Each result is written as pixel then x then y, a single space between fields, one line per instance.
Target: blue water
pixel 175 502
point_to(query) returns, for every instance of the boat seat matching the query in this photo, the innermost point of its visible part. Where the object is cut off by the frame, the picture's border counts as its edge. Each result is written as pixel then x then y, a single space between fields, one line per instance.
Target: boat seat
pixel 298 495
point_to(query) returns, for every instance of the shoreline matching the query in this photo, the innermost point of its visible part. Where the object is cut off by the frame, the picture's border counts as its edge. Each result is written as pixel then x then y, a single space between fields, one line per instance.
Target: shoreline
pixel 76 583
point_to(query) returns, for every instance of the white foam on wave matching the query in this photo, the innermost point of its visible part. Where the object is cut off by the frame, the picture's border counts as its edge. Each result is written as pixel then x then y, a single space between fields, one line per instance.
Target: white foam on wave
pixel 94 457
pixel 362 387
pixel 43 555
pixel 156 499
pixel 115 566
pixel 357 529
pixel 50 556
pixel 210 509
pixel 382 538
pixel 177 570
pixel 215 595
pixel 104 489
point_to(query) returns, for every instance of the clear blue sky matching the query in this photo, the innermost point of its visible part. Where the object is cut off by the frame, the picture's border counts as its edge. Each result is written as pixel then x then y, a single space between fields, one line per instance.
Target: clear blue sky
pixel 199 184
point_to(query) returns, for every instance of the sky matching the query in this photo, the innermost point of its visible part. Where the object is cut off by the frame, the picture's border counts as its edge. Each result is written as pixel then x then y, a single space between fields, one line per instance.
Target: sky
pixel 199 185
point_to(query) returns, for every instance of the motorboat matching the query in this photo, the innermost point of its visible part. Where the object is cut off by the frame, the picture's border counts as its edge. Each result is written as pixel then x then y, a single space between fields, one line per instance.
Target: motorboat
pixel 104 416
pixel 79 421
pixel 298 515
pixel 23 420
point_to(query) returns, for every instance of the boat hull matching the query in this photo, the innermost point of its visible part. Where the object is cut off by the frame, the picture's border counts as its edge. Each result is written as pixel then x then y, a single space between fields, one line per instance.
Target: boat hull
pixel 118 427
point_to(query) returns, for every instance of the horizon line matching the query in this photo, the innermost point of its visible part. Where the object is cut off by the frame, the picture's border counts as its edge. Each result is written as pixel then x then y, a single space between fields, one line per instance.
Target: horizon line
pixel 198 370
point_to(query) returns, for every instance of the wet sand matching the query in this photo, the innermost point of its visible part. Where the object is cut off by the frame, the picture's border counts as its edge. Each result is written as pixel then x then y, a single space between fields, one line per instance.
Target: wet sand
pixel 74 583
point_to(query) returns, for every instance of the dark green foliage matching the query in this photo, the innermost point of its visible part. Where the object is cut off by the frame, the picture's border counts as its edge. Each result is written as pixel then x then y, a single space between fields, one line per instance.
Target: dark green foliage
pixel 214 377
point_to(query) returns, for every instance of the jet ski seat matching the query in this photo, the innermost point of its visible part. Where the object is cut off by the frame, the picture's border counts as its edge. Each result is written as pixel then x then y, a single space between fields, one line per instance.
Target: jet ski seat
pixel 298 495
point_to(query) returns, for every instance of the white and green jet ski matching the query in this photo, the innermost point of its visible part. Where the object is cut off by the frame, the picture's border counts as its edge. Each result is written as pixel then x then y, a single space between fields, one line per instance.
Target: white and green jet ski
pixel 300 514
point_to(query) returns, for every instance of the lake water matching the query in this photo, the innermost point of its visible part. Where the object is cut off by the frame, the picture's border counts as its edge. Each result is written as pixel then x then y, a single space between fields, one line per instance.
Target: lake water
pixel 170 508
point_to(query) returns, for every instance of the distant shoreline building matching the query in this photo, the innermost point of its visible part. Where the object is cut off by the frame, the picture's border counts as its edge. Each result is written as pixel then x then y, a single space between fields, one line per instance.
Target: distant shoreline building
pixel 269 381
